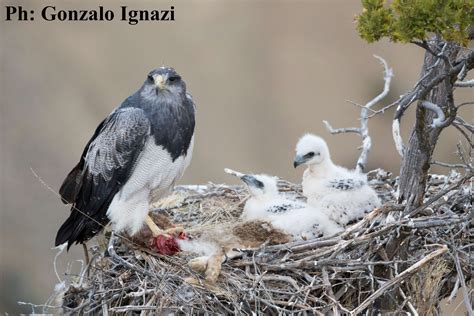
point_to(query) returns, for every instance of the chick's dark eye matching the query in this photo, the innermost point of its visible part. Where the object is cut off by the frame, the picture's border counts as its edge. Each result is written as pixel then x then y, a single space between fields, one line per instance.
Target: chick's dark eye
pixel 150 78
pixel 173 78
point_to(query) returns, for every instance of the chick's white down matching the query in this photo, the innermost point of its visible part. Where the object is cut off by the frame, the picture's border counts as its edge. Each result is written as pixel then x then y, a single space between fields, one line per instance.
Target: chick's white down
pixel 344 195
pixel 274 211
pixel 266 203
pixel 293 217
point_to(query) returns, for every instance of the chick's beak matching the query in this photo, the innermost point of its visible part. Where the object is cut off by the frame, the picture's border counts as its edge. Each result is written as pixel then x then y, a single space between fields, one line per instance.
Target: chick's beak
pixel 299 160
pixel 251 181
pixel 160 81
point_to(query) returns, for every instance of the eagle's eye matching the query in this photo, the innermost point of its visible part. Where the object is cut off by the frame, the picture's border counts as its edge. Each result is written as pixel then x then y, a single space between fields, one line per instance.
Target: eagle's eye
pixel 174 78
pixel 309 155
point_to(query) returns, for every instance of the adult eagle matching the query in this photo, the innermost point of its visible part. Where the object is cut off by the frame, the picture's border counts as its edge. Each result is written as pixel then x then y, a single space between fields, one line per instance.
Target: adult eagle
pixel 135 156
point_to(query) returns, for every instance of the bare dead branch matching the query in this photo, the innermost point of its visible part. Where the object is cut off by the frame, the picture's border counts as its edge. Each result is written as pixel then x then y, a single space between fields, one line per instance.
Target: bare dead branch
pixel 341 130
pixel 463 133
pixel 420 90
pixel 460 121
pixel 440 120
pixel 383 109
pixel 388 74
pixel 465 158
pixel 363 130
pixel 464 84
pixel 464 103
pixel 450 165
pixel 397 137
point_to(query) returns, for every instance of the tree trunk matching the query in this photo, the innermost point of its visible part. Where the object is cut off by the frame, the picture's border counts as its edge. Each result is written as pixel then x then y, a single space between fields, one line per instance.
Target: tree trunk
pixel 423 138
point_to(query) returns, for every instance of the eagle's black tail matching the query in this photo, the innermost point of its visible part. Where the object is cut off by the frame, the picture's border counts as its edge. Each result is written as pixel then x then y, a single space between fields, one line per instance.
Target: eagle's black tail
pixel 66 232
pixel 78 229
pixel 88 213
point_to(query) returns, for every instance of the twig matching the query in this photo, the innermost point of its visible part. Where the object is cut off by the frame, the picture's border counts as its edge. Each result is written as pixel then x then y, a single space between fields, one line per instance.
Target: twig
pixel 462 280
pixel 131 308
pixel 437 197
pixel 335 131
pixel 398 279
pixel 449 165
pixel 410 305
pixel 464 84
pixel 454 291
pixel 363 130
pixel 120 260
pixel 459 120
pixel 464 103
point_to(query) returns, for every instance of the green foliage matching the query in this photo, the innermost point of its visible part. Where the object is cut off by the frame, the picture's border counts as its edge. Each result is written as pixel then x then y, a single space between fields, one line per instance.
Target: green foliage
pixel 407 20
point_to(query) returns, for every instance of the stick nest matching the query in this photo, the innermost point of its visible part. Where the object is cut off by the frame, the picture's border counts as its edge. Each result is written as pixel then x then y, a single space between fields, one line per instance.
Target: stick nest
pixel 397 259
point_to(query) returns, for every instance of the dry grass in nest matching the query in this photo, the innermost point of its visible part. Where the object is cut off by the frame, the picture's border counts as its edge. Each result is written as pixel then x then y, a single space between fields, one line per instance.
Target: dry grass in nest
pixel 389 261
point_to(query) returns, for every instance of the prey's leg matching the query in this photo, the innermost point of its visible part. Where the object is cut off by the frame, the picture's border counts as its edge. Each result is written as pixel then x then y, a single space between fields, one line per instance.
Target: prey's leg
pixel 175 230
pixel 155 230
pixel 199 264
pixel 214 266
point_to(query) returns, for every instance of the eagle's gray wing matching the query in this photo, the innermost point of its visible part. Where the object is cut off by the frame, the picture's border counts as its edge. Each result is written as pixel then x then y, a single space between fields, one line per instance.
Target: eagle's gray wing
pixel 345 184
pixel 107 163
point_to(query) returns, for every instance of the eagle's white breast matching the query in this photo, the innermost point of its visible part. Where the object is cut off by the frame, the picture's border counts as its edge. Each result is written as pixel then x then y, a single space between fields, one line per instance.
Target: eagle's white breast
pixel 154 174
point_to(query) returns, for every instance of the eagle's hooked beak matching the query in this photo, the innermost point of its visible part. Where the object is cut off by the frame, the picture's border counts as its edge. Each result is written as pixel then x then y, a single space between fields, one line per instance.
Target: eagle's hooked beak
pixel 299 160
pixel 160 81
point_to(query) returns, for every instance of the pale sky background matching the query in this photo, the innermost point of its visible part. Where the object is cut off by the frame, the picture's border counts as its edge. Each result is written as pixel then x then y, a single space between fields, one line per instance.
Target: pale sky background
pixel 262 73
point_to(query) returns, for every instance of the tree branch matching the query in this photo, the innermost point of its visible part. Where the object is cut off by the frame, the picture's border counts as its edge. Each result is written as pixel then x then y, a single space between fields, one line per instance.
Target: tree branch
pixel 460 121
pixel 449 165
pixel 440 120
pixel 420 90
pixel 388 74
pixel 397 137
pixel 334 131
pixel 363 130
pixel 464 84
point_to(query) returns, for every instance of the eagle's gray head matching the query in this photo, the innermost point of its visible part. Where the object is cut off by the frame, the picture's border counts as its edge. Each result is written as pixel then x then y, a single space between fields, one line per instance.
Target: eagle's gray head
pixel 163 82
pixel 311 150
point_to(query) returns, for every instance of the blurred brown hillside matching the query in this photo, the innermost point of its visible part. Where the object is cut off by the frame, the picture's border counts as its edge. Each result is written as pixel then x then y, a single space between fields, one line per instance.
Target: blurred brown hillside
pixel 262 73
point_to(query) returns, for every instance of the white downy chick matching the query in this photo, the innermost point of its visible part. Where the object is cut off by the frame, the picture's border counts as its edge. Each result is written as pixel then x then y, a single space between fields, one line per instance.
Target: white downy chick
pixel 267 217
pixel 293 217
pixel 343 194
